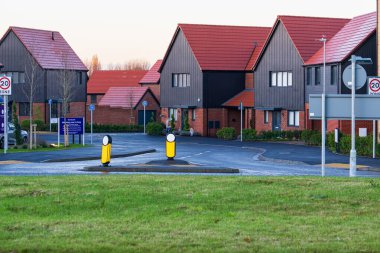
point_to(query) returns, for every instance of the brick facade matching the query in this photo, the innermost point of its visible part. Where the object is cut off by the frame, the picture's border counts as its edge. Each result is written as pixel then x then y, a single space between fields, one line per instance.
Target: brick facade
pixel 261 126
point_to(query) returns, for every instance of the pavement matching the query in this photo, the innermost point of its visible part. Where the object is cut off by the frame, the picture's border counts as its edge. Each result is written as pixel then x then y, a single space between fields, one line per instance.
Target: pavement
pixel 250 158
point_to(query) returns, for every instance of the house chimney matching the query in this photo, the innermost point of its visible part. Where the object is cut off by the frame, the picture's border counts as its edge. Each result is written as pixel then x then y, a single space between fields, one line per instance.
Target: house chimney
pixel 52 35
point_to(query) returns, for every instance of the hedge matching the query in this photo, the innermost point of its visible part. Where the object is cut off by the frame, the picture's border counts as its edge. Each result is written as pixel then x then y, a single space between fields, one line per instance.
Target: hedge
pixel 226 133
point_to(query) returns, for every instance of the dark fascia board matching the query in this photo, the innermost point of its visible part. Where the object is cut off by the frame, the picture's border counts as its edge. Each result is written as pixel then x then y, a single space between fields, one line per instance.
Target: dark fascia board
pixel 151 93
pixel 268 108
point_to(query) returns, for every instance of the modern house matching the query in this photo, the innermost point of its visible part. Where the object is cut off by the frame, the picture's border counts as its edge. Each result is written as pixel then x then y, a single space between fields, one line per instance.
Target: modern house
pixel 357 37
pixel 279 74
pixel 118 96
pixel 152 79
pixel 204 67
pixel 44 63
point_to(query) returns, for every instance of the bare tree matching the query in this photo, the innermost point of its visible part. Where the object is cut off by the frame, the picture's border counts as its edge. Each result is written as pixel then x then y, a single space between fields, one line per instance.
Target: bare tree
pixel 137 64
pixel 30 88
pixel 130 100
pixel 93 65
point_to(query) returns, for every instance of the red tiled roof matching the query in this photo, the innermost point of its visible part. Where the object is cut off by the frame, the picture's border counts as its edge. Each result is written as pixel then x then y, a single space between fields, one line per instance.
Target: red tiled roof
pixel 246 96
pixel 123 97
pixel 351 36
pixel 48 52
pixel 305 32
pixel 101 80
pixel 152 76
pixel 219 47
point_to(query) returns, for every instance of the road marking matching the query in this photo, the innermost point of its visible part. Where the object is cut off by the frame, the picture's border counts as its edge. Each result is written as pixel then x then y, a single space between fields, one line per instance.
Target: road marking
pixel 189 156
pixel 8 162
pixel 343 166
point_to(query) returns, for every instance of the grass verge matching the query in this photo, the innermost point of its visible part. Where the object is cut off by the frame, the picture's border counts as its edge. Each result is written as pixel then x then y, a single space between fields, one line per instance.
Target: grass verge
pixel 144 213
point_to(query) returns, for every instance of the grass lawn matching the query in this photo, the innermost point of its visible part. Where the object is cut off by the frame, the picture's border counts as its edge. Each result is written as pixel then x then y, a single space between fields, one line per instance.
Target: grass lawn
pixel 61 147
pixel 144 213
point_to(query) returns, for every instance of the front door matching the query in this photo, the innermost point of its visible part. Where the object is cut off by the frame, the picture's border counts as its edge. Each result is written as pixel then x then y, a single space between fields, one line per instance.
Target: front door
pixel 185 115
pixel 276 120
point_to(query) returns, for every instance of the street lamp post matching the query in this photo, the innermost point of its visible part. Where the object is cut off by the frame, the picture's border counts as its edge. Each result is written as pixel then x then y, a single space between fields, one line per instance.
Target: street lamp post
pixel 323 170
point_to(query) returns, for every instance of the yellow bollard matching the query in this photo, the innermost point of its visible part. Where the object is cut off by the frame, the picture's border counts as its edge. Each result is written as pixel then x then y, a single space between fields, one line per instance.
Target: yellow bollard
pixel 170 146
pixel 106 150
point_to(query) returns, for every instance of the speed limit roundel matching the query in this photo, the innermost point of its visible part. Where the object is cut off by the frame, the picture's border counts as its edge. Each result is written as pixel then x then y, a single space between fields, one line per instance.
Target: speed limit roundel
pixel 5 85
pixel 374 86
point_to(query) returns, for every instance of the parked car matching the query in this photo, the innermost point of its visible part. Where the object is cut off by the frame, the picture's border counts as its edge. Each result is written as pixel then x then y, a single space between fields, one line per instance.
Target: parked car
pixel 11 136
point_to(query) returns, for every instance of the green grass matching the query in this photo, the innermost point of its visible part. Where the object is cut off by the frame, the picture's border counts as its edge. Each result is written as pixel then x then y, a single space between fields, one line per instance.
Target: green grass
pixel 144 213
pixel 22 150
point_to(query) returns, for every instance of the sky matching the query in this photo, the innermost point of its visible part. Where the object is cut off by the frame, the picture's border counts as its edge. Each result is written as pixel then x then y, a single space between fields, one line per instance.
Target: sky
pixel 122 30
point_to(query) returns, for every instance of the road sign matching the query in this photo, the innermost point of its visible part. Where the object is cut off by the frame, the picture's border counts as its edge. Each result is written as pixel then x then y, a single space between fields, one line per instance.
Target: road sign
pixel 339 107
pixel 1 119
pixel 75 125
pixel 374 86
pixel 91 107
pixel 5 85
pixel 50 101
pixel 145 103
pixel 361 76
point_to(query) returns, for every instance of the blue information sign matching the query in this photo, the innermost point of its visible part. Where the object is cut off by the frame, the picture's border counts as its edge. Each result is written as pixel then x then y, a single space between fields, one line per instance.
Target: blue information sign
pixel 75 125
pixel 91 107
pixel 1 118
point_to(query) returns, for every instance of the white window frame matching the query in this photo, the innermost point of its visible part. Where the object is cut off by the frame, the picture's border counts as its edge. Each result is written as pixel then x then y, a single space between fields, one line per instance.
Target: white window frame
pixel 297 118
pixel 290 79
pixel 266 117
pixel 284 79
pixel 279 79
pixel 175 80
pixel 273 79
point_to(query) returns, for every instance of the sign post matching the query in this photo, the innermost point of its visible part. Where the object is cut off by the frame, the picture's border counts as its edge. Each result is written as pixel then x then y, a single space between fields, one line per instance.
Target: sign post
pixel 241 108
pixel 91 108
pixel 374 89
pixel 6 90
pixel 50 102
pixel 145 104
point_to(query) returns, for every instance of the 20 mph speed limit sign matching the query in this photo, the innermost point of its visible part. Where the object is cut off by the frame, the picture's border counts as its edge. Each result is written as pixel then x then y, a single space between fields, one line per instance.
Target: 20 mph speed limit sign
pixel 5 85
pixel 374 86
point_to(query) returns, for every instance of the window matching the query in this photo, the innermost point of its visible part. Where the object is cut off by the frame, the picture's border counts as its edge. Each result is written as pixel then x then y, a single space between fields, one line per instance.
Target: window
pixel 293 118
pixel 193 115
pixel 308 76
pixel 281 79
pixel 266 117
pixel 334 75
pixel 317 75
pixel 22 77
pixel 181 80
pixel 24 109
pixel 93 99
pixel 17 77
pixel 173 111
pixel 80 78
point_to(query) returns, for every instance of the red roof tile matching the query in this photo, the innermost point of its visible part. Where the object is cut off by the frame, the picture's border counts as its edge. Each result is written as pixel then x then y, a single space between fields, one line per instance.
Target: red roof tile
pixel 246 96
pixel 101 80
pixel 153 76
pixel 305 32
pixel 123 97
pixel 351 36
pixel 223 47
pixel 49 53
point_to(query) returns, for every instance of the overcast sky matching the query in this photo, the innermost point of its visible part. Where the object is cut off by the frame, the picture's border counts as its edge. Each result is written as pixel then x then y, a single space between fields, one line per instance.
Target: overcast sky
pixel 121 30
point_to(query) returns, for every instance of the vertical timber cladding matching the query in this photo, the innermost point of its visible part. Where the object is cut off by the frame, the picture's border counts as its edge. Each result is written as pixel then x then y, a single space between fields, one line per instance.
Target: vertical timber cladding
pixel 280 55
pixel 181 60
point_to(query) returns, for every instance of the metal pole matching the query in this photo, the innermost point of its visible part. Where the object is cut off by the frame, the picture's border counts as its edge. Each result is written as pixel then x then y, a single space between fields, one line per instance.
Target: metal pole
pixel 241 121
pixel 353 151
pixel 84 131
pixel 324 110
pixel 59 126
pixel 144 119
pixel 5 124
pixel 374 139
pixel 91 125
pixel 50 116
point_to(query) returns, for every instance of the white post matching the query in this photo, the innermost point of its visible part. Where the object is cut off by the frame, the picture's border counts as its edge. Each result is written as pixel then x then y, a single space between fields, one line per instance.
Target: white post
pixel 374 139
pixel 324 110
pixel 50 116
pixel 241 121
pixel 84 131
pixel 353 150
pixel 59 126
pixel 5 124
pixel 91 125
pixel 144 119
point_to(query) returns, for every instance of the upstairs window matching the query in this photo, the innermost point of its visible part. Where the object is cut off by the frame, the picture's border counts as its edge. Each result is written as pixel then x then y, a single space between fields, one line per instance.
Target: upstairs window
pixel 317 75
pixel 334 75
pixel 308 76
pixel 181 80
pixel 17 77
pixel 281 79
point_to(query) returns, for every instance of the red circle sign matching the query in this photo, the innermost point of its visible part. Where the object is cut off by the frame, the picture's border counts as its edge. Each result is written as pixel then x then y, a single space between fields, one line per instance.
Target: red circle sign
pixel 5 83
pixel 374 85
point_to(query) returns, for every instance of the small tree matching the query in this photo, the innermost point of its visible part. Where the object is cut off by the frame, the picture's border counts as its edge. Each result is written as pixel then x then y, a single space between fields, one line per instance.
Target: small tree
pixel 18 136
pixel 186 126
pixel 172 122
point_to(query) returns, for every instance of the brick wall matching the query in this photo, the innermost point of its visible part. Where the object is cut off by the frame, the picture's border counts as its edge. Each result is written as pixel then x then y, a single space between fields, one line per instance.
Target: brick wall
pixel 261 126
pixel 284 121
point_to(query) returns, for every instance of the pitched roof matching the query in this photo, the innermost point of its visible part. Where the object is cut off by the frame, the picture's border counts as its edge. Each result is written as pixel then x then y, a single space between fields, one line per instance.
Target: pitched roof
pixel 152 76
pixel 305 32
pixel 351 36
pixel 101 80
pixel 246 96
pixel 123 97
pixel 218 47
pixel 48 48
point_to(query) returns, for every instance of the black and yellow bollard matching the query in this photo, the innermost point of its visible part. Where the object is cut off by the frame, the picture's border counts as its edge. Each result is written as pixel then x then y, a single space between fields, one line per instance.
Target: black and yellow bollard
pixel 106 151
pixel 170 146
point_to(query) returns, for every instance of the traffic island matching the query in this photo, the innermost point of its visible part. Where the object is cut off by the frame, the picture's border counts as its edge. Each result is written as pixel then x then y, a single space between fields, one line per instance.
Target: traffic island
pixel 163 166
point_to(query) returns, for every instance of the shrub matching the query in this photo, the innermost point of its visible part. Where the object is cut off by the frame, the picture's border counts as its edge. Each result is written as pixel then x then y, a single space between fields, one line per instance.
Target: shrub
pixel 186 126
pixel 154 128
pixel 17 131
pixel 226 133
pixel 315 139
pixel 306 135
pixel 114 128
pixel 249 134
pixel 41 126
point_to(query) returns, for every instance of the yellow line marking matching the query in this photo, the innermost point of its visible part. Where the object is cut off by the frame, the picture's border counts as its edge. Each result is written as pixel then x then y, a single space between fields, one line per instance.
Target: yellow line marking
pixel 8 162
pixel 343 166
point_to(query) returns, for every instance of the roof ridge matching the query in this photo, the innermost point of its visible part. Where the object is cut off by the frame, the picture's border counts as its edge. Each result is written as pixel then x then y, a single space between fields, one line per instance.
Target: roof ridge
pixel 34 29
pixel 242 26
pixel 295 16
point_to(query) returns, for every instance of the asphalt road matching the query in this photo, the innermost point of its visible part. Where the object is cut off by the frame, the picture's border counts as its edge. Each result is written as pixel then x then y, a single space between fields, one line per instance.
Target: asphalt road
pixel 279 158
